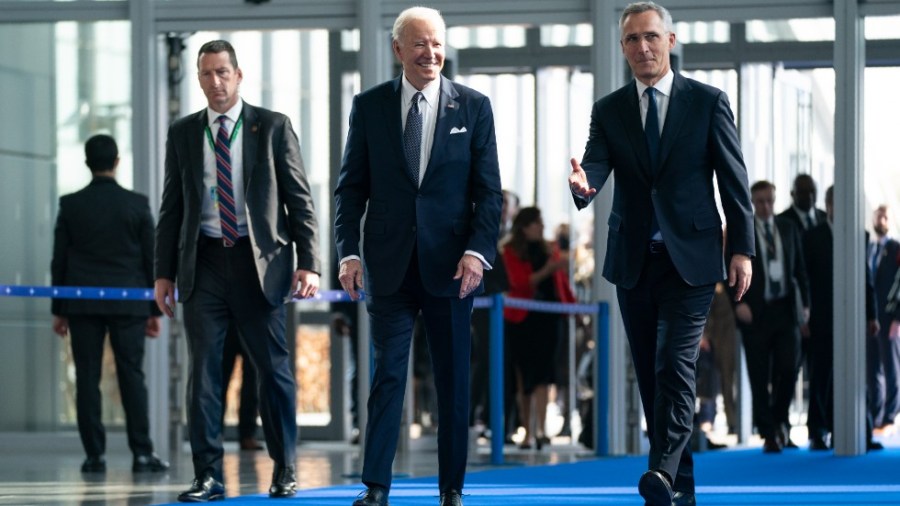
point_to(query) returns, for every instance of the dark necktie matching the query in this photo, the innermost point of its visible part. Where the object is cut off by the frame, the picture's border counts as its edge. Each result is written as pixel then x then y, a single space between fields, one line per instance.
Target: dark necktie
pixel 651 132
pixel 874 262
pixel 809 222
pixel 412 137
pixel 651 128
pixel 224 188
pixel 774 286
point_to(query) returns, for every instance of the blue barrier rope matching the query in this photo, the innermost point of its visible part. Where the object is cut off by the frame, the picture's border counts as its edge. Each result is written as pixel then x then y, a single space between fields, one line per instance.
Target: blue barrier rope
pixel 495 302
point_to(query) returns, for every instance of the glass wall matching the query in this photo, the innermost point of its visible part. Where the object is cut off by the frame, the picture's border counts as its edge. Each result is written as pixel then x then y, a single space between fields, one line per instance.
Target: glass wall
pixel 72 82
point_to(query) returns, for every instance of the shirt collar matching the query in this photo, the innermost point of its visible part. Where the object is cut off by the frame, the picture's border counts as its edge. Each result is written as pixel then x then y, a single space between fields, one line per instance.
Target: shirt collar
pixel 803 214
pixel 663 86
pixel 233 114
pixel 429 92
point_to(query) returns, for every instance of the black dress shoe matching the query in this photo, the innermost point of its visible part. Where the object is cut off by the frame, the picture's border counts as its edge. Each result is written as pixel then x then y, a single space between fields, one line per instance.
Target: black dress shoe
pixel 874 445
pixel 204 488
pixel 771 445
pixel 373 496
pixel 817 443
pixel 94 464
pixel 148 464
pixel 655 488
pixel 451 498
pixel 684 499
pixel 284 482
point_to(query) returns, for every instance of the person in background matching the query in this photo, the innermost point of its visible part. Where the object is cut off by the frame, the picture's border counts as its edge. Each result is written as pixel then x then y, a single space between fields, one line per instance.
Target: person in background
pixel 104 237
pixel 536 271
pixel 666 136
pixel 248 403
pixel 819 251
pixel 769 320
pixel 237 231
pixel 883 352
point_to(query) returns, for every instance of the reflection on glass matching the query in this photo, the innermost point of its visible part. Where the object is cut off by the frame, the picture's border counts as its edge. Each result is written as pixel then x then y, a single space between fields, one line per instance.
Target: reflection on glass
pixel 462 37
pixel 312 368
pixel 702 32
pixel 882 27
pixel 802 30
pixel 567 35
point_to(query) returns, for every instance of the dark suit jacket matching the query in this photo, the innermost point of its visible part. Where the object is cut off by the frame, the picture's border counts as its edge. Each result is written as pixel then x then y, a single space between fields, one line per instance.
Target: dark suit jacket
pixel 790 214
pixel 456 207
pixel 278 202
pixel 883 282
pixel 698 140
pixel 103 237
pixel 794 266
pixel 818 248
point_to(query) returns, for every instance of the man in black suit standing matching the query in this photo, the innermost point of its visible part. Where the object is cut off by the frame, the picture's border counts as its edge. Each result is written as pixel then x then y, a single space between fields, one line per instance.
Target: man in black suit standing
pixel 818 248
pixel 803 211
pixel 421 162
pixel 235 198
pixel 769 318
pixel 665 136
pixel 104 237
pixel 883 254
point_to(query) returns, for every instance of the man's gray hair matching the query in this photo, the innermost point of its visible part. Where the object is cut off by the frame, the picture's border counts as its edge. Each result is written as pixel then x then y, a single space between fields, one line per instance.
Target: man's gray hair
pixel 414 13
pixel 640 7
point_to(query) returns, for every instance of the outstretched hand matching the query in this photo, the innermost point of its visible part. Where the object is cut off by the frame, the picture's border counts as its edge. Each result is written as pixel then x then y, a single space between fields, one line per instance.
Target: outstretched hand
pixel 578 182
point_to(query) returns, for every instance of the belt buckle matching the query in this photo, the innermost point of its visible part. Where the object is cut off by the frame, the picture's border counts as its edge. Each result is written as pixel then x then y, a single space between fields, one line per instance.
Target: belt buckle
pixel 657 246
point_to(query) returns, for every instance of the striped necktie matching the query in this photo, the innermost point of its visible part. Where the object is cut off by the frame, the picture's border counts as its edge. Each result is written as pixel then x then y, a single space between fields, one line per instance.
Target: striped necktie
pixel 224 188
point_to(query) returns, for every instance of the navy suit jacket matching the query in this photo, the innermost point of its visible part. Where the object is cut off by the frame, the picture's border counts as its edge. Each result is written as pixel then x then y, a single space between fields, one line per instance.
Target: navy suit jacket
pixel 698 140
pixel 455 208
pixel 884 278
pixel 276 194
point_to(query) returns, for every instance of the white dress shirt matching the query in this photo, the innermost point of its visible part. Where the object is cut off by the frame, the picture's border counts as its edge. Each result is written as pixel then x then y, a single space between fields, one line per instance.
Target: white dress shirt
pixel 209 217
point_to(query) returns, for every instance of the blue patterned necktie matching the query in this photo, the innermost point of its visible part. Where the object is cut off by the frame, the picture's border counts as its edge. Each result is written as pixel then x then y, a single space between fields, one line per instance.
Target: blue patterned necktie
pixel 412 137
pixel 651 132
pixel 224 188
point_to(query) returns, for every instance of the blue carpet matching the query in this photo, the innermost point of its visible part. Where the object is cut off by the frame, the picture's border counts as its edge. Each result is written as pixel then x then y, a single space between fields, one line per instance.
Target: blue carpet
pixel 727 477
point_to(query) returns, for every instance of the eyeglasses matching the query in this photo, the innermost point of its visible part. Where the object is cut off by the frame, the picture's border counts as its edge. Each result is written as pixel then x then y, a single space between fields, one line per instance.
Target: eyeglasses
pixel 634 39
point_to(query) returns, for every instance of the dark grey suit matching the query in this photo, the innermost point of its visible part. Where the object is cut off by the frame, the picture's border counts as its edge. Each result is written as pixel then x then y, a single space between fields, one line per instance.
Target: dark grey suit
pixel 247 284
pixel 104 237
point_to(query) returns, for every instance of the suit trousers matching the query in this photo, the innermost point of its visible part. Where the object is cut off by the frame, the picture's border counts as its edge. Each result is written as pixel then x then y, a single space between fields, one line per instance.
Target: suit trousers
pixel 820 417
pixel 772 349
pixel 664 319
pixel 249 395
pixel 226 292
pixel 126 337
pixel 448 333
pixel 883 374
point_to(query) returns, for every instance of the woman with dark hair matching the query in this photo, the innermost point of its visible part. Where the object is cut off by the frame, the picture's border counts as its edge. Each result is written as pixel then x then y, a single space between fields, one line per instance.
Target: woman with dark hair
pixel 536 271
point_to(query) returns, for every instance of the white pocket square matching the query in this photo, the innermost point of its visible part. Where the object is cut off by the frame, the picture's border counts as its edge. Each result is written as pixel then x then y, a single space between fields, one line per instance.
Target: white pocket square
pixel 456 130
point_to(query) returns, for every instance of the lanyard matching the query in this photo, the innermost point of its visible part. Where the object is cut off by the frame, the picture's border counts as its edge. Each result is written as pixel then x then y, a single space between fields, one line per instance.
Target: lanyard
pixel 234 132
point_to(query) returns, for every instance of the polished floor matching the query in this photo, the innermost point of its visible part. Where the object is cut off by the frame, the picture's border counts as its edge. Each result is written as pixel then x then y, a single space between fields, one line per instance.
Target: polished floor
pixel 44 469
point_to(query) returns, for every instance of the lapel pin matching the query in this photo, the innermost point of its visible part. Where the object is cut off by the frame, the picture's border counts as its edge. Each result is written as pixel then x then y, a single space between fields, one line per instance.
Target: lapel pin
pixel 451 105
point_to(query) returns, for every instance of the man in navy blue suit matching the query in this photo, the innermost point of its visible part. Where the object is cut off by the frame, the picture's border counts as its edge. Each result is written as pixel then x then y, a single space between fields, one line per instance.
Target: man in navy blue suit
pixel 421 163
pixel 665 245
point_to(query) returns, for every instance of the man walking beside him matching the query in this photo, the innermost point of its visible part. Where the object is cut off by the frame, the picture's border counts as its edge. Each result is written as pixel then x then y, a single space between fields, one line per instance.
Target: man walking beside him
pixel 665 136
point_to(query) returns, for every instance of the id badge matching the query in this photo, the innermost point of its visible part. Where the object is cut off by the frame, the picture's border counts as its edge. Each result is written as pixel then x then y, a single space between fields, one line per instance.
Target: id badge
pixel 776 270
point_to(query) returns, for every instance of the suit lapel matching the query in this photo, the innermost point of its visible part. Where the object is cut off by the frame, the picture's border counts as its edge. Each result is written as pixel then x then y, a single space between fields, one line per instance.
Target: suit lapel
pixel 251 142
pixel 679 105
pixel 447 111
pixel 197 131
pixel 630 113
pixel 391 105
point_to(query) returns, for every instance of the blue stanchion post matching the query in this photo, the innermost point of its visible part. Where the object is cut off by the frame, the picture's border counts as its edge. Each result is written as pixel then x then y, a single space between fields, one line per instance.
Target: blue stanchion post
pixel 496 380
pixel 601 392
